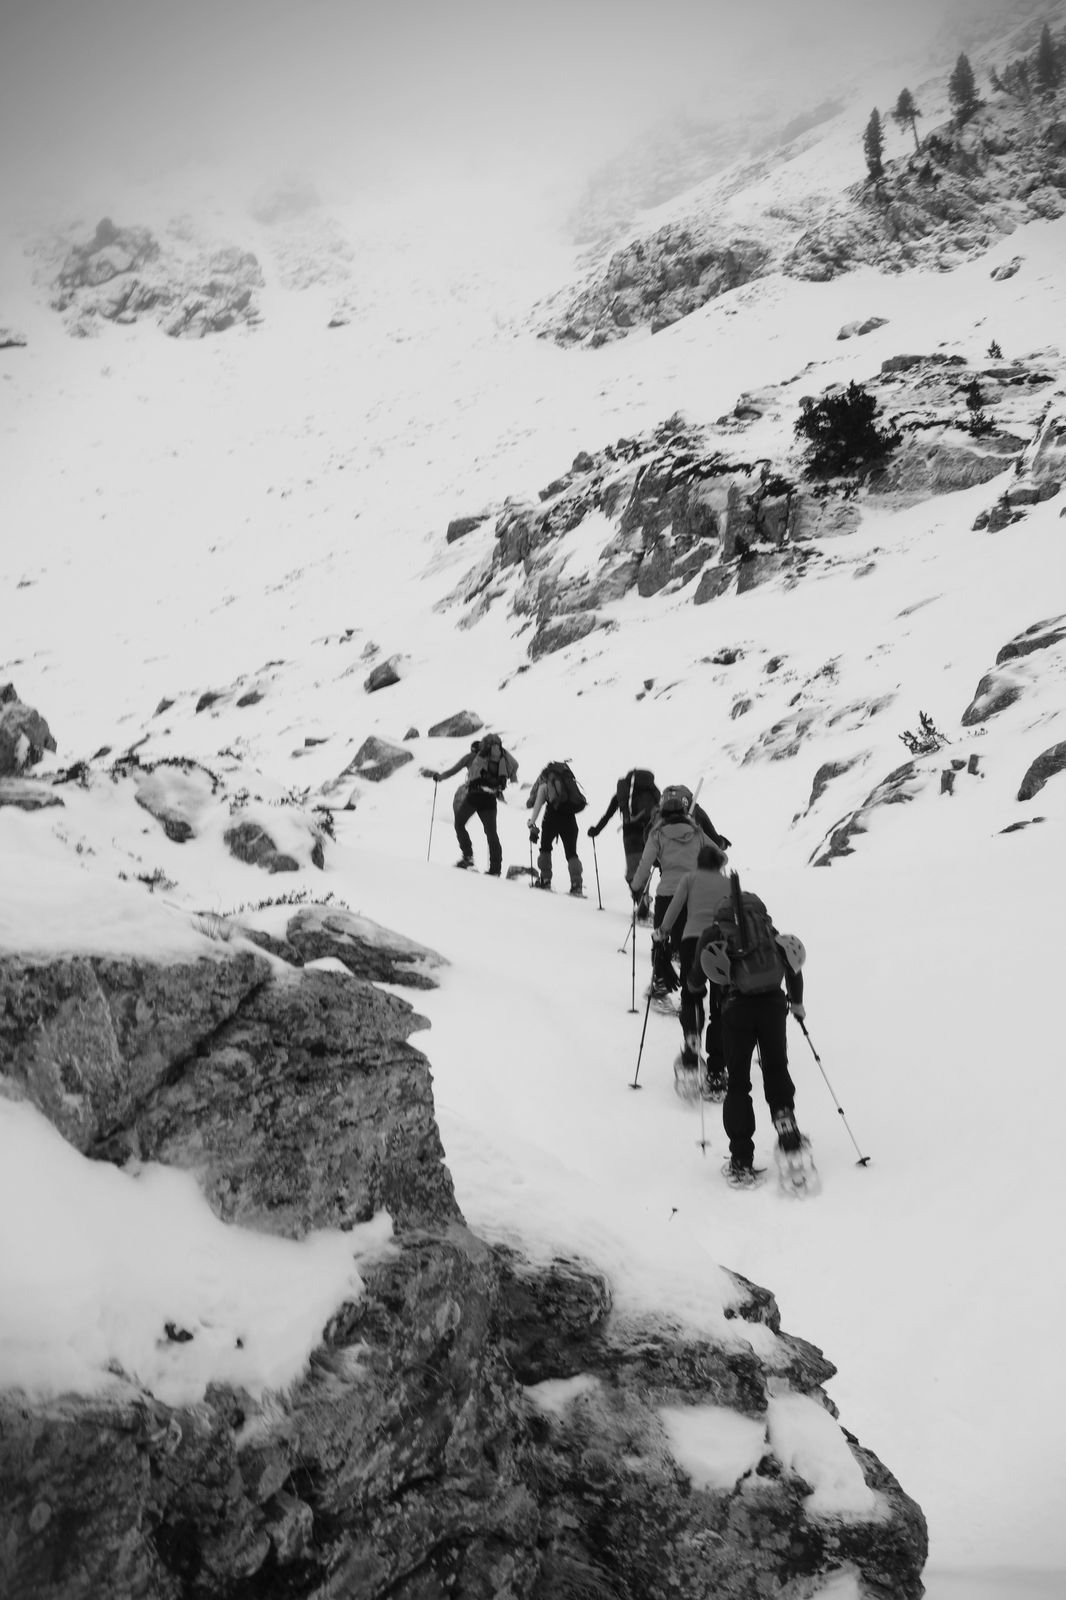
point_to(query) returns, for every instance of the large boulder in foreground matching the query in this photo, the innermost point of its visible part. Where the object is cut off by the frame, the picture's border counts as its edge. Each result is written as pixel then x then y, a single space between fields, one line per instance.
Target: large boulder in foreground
pixel 469 1423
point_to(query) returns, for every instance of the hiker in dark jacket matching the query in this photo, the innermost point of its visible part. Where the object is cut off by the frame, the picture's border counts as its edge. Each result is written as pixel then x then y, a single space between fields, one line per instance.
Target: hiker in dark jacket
pixel 673 845
pixel 489 768
pixel 635 799
pixel 696 902
pixel 751 1020
pixel 556 794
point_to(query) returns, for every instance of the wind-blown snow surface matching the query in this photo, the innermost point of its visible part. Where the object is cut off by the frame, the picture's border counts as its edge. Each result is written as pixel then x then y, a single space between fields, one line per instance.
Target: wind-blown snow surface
pixel 179 516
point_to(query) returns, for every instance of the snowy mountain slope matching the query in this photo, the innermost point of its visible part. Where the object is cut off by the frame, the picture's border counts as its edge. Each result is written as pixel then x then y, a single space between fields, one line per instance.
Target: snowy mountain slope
pixel 254 512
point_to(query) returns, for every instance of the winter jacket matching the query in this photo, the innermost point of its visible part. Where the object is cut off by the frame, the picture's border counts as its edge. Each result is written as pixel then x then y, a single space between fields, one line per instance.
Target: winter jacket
pixel 673 847
pixel 699 896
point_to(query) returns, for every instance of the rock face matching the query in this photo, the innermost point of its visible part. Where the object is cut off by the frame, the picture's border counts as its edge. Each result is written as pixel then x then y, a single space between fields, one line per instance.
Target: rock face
pixel 458 726
pixel 963 191
pixel 123 274
pixel 24 734
pixel 1044 767
pixel 251 843
pixel 415 1458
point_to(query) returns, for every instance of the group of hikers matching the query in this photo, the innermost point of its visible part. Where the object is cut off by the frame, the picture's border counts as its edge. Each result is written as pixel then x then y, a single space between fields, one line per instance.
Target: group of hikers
pixel 731 960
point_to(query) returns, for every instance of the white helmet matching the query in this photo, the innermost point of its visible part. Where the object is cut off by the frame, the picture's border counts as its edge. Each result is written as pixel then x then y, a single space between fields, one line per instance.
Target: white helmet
pixel 792 945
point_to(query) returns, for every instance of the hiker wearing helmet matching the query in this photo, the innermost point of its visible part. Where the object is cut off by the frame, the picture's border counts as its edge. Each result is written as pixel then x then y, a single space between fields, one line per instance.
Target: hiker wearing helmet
pixel 697 902
pixel 489 768
pixel 558 794
pixel 635 800
pixel 744 955
pixel 673 845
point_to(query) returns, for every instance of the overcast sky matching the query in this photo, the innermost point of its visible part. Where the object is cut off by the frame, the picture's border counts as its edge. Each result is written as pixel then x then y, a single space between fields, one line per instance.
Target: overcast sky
pixel 368 88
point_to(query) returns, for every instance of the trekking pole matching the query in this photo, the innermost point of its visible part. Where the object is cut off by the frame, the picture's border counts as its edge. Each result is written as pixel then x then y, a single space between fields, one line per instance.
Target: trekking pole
pixel 432 814
pixel 623 947
pixel 863 1161
pixel 531 884
pixel 633 997
pixel 640 1052
pixel 596 864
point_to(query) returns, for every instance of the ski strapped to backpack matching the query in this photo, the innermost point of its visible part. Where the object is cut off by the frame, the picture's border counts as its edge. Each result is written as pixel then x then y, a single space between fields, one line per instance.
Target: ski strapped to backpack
pixel 562 787
pixel 492 767
pixel 756 962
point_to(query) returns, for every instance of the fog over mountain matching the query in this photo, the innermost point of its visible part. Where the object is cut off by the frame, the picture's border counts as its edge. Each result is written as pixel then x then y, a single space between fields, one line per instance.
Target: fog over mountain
pixel 364 96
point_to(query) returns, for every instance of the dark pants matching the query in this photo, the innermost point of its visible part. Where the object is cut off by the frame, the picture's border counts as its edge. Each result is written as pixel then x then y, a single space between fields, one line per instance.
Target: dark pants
pixel 692 1007
pixel 749 1020
pixel 560 822
pixel 478 802
pixel 633 845
pixel 662 966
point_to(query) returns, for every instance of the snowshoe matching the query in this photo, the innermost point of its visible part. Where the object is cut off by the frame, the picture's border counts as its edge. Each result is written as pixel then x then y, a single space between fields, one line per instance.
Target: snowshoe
pixel 796 1172
pixel 578 892
pixel 686 1080
pixel 739 1177
pixel 466 864
pixel 713 1087
pixel 662 1000
pixel 542 883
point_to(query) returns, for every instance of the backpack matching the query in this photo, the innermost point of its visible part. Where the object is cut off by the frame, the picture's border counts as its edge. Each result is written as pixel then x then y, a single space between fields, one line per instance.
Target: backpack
pixel 756 964
pixel 637 795
pixel 676 801
pixel 491 766
pixel 562 787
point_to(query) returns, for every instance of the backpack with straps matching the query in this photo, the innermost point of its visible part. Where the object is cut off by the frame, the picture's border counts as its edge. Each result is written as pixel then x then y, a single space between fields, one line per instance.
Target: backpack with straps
pixel 676 801
pixel 562 787
pixel 637 795
pixel 756 964
pixel 491 766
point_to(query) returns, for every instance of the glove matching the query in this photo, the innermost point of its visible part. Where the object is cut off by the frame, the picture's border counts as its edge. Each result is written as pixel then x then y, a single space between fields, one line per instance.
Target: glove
pixel 659 937
pixel 427 772
pixel 799 1011
pixel 534 833
pixel 723 842
pixel 638 895
pixel 594 833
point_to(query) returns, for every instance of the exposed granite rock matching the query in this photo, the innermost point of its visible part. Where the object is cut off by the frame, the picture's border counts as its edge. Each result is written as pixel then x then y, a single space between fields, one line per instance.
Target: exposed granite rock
pixel 996 691
pixel 367 950
pixel 24 734
pixel 459 527
pixel 89 1038
pixel 460 725
pixel 252 844
pixel 12 340
pixel 856 330
pixel 1039 636
pixel 902 785
pixel 556 633
pixel 1044 767
pixel 122 274
pixel 413 1458
pixel 375 760
pixel 824 777
pixel 385 674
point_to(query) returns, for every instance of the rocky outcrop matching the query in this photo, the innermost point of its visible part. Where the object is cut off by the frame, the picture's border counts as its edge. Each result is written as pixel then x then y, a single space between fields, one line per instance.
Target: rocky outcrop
pixel 175 793
pixel 26 794
pixel 1014 670
pixel 375 760
pixel 385 674
pixel 251 843
pixel 469 1423
pixel 24 734
pixel 955 198
pixel 123 274
pixel 460 725
pixel 1046 766
pixel 903 784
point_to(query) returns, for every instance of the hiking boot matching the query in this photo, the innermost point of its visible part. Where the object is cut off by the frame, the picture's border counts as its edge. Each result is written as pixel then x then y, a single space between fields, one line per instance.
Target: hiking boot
pixel 465 861
pixel 578 892
pixel 542 883
pixel 789 1137
pixel 739 1176
pixel 493 872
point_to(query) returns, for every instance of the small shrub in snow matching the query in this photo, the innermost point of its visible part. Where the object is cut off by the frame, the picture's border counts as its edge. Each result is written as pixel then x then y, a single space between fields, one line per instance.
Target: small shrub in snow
pixel 928 739
pixel 995 353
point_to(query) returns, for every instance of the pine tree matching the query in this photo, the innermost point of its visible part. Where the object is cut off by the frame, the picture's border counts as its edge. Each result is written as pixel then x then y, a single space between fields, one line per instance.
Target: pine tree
pixel 842 433
pixel 873 143
pixel 962 90
pixel 906 114
pixel 980 422
pixel 1048 71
